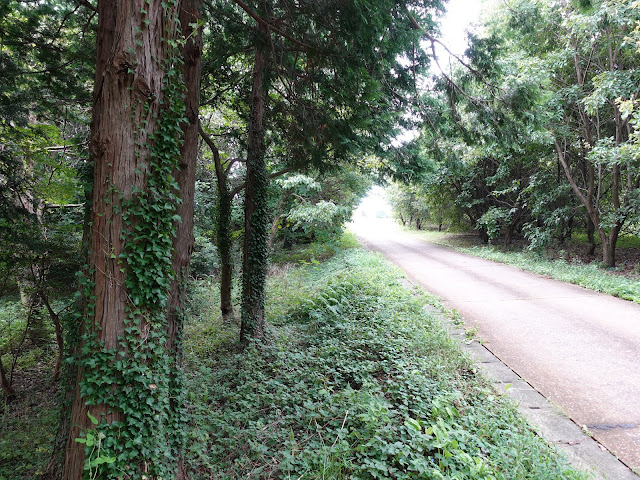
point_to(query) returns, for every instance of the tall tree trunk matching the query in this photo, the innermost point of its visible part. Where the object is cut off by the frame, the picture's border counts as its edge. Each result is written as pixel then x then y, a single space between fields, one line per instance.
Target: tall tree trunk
pixel 55 319
pixel 224 241
pixel 185 175
pixel 128 326
pixel 256 213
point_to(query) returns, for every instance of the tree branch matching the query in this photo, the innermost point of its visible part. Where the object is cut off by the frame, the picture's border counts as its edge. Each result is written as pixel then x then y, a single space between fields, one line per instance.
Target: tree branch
pixel 85 3
pixel 274 29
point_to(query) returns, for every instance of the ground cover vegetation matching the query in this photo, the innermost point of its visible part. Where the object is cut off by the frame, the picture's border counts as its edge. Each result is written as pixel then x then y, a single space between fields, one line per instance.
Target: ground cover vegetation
pixel 357 381
pixel 133 134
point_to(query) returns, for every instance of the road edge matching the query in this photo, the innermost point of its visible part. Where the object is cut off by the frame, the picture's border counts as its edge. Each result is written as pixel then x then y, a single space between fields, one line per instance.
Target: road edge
pixel 546 418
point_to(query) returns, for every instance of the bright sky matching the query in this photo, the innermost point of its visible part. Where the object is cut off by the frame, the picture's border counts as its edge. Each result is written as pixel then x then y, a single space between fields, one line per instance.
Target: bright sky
pixel 460 16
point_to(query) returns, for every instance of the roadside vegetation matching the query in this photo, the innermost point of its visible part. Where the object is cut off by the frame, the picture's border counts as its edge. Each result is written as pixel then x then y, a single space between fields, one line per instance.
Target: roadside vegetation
pixel 356 380
pixel 566 263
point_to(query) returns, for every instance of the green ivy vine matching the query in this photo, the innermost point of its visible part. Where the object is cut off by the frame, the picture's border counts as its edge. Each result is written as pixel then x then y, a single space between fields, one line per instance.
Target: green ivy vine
pixel 140 379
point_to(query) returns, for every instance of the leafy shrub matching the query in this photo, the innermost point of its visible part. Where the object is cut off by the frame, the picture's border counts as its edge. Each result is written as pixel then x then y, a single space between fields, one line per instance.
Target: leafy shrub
pixel 204 259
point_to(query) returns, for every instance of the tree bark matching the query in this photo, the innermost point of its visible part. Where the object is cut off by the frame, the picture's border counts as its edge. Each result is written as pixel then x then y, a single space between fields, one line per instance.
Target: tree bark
pixel 608 252
pixel 190 13
pixel 256 212
pixel 55 319
pixel 128 99
pixel 223 230
pixel 7 388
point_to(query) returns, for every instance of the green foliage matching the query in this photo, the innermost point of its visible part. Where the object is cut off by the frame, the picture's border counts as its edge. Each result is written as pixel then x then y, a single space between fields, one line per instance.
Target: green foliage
pixel 493 220
pixel 544 92
pixel 315 208
pixel 355 381
pixel 204 259
pixel 47 59
pixel 411 205
pixel 324 219
pixel 13 319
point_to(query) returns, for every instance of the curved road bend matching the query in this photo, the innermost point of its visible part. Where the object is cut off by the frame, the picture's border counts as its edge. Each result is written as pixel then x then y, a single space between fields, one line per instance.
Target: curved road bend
pixel 578 348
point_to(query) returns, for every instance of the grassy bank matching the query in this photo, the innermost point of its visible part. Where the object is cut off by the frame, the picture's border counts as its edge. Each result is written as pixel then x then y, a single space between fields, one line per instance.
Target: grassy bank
pixel 357 380
pixel 559 263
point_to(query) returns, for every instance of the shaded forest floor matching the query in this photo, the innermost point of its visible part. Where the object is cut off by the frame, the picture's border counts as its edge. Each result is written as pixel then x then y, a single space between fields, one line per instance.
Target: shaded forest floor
pixel 28 422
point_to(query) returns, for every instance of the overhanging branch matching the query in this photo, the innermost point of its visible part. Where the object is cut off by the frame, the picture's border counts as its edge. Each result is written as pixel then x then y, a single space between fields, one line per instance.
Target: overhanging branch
pixel 271 27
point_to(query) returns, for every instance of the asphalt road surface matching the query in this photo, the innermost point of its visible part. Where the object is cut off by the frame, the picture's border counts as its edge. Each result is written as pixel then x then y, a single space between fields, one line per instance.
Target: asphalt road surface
pixel 578 348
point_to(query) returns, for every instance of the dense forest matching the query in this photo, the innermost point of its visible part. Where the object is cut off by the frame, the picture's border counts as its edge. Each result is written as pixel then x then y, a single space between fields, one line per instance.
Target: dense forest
pixel 154 150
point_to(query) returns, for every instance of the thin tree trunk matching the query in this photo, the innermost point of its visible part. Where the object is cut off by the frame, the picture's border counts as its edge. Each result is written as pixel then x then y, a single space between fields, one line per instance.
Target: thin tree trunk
pixel 225 244
pixel 7 388
pixel 275 226
pixel 223 230
pixel 256 228
pixel 57 325
pixel 590 235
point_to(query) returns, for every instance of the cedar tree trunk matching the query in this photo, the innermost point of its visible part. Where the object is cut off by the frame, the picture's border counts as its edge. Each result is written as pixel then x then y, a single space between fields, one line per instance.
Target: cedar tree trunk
pixel 130 106
pixel 256 213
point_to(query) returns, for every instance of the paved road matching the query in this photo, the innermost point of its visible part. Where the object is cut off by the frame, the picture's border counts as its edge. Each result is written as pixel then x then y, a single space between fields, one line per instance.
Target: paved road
pixel 578 348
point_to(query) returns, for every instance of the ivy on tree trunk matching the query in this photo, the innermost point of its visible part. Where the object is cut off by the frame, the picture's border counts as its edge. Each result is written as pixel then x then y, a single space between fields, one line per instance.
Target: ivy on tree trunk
pixel 126 381
pixel 256 222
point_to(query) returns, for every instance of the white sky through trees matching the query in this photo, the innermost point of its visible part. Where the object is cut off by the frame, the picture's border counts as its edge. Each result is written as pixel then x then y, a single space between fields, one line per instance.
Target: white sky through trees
pixel 461 15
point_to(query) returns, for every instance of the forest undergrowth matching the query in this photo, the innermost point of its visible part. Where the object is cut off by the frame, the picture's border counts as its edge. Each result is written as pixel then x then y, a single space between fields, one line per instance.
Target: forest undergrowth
pixel 357 380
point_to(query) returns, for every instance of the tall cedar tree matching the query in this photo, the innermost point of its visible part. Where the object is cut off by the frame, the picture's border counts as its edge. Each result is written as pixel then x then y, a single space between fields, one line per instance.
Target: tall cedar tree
pixel 133 113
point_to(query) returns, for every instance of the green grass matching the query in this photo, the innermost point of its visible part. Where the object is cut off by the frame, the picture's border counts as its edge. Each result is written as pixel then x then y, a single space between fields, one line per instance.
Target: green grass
pixel 357 381
pixel 314 252
pixel 591 276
